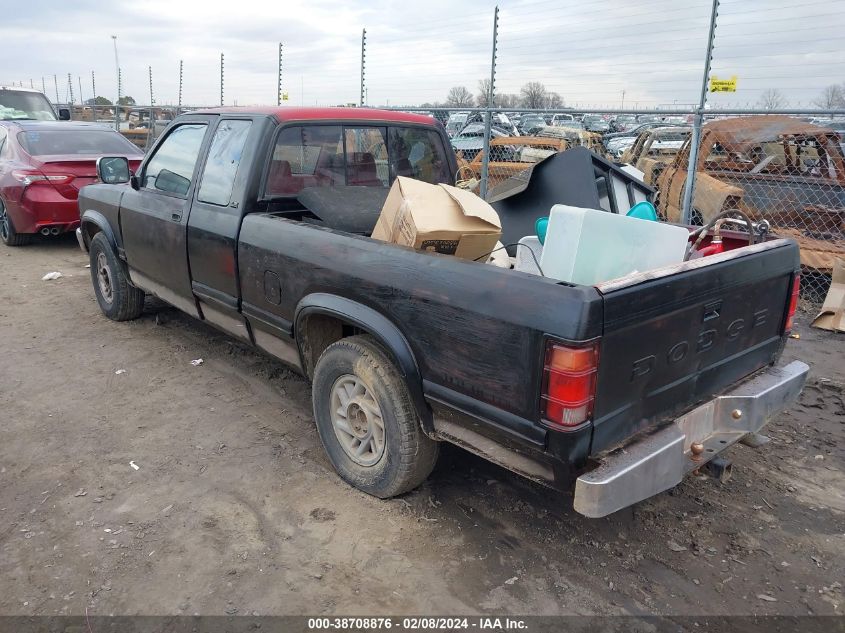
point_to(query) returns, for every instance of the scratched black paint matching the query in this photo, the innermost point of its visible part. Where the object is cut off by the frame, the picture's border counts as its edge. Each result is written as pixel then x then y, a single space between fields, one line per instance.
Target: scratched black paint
pixel 660 352
pixel 476 332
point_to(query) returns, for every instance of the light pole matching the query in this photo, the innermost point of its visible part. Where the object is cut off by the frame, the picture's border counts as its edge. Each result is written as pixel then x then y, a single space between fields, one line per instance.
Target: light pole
pixel 117 76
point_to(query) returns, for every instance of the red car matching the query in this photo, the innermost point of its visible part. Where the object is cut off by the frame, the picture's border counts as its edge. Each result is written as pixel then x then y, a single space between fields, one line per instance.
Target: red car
pixel 43 165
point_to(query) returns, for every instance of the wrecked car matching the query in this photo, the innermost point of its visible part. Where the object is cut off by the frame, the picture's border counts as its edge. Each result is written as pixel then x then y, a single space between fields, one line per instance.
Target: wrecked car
pixel 575 134
pixel 470 140
pixel 771 167
pixel 652 150
pixel 511 155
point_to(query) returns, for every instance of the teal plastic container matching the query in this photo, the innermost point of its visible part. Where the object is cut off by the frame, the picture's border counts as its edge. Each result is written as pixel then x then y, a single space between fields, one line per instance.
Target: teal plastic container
pixel 644 211
pixel 540 228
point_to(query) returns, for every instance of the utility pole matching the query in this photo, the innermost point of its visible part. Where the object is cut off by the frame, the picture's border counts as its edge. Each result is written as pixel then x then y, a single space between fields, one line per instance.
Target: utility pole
pixel 152 124
pixel 363 63
pixel 179 107
pixel 695 139
pixel 488 116
pixel 31 85
pixel 623 100
pixel 81 100
pixel 117 76
pixel 43 85
pixel 70 89
pixel 221 79
pixel 279 90
pixel 56 83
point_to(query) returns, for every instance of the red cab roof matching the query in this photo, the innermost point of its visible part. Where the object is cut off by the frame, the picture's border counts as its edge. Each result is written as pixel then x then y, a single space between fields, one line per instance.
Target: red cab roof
pixel 287 113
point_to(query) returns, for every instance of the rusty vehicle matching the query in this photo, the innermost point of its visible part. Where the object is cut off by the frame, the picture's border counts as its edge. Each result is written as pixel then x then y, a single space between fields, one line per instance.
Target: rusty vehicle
pixel 575 134
pixel 775 168
pixel 653 149
pixel 512 155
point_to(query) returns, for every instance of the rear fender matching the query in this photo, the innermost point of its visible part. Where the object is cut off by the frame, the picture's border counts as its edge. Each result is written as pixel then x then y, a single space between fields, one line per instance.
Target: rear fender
pixel 379 327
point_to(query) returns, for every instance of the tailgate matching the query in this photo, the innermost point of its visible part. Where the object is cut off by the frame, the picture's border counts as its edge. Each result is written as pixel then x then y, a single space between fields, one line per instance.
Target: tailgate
pixel 676 337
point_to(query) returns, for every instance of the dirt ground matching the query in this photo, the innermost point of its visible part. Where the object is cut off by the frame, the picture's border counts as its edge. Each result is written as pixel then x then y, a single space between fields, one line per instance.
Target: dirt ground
pixel 233 507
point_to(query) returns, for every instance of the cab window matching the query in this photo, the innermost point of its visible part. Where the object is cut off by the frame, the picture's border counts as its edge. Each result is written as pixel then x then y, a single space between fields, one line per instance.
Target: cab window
pixel 224 158
pixel 171 168
pixel 355 155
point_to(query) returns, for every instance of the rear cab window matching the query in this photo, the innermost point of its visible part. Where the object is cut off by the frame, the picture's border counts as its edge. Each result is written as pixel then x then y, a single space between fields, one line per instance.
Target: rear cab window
pixel 355 155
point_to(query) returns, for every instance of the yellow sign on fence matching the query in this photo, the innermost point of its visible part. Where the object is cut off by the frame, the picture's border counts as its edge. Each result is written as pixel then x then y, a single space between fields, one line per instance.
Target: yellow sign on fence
pixel 284 96
pixel 722 85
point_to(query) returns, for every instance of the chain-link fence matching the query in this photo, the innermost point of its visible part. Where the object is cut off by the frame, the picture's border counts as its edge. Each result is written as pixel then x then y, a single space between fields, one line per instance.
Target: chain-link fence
pixel 140 124
pixel 737 104
pixel 785 168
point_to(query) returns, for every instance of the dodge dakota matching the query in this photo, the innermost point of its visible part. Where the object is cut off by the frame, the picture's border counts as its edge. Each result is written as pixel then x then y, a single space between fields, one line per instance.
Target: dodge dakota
pixel 251 220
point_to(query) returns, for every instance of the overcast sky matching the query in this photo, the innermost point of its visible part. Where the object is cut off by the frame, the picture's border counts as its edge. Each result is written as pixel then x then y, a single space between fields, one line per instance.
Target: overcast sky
pixel 589 52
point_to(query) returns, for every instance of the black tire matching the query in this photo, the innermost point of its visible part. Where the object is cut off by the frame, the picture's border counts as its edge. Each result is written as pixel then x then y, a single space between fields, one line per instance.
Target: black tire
pixel 8 235
pixel 119 300
pixel 408 455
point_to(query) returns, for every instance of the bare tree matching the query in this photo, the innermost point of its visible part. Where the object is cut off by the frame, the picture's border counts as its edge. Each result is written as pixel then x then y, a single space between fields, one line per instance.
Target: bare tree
pixel 553 100
pixel 771 99
pixel 483 98
pixel 534 95
pixel 831 97
pixel 459 97
pixel 507 100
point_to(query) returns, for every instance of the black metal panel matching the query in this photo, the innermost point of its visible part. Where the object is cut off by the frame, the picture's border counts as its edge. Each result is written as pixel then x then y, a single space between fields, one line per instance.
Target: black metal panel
pixel 213 229
pixel 345 208
pixel 474 329
pixel 674 342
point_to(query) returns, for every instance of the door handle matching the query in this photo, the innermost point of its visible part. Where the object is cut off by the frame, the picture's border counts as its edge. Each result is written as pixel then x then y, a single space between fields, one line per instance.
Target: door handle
pixel 176 217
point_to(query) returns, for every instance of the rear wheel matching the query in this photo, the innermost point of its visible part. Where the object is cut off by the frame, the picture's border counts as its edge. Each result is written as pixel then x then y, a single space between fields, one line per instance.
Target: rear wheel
pixel 119 300
pixel 8 234
pixel 366 420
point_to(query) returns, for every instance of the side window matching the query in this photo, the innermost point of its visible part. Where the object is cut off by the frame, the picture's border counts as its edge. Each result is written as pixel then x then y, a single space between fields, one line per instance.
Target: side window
pixel 2 143
pixel 172 166
pixel 366 156
pixel 224 157
pixel 306 156
pixel 418 153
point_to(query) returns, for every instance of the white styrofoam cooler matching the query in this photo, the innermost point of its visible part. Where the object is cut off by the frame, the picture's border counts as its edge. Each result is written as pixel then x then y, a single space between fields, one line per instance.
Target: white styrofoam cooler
pixel 587 246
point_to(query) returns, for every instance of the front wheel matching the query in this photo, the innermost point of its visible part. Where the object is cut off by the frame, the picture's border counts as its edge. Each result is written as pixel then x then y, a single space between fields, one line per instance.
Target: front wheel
pixel 8 235
pixel 119 300
pixel 366 420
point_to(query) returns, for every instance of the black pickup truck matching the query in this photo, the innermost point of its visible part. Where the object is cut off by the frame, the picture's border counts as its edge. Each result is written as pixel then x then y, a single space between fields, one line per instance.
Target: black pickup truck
pixel 619 389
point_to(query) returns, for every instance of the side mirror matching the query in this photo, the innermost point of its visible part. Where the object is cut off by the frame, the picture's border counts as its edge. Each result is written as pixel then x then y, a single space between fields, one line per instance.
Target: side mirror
pixel 113 170
pixel 64 114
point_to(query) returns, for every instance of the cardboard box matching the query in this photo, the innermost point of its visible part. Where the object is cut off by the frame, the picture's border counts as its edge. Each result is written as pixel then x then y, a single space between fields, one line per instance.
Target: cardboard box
pixel 438 218
pixel 832 316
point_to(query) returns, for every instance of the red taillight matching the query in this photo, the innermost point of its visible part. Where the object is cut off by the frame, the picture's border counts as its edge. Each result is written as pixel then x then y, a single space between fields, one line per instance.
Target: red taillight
pixel 31 176
pixel 569 384
pixel 793 304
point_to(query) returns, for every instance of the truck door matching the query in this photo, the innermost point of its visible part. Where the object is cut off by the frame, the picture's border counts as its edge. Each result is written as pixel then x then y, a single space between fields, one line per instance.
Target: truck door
pixel 154 218
pixel 216 220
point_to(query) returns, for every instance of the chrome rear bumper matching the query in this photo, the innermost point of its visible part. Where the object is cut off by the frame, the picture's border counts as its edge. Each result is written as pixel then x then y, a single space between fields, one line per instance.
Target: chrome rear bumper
pixel 660 461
